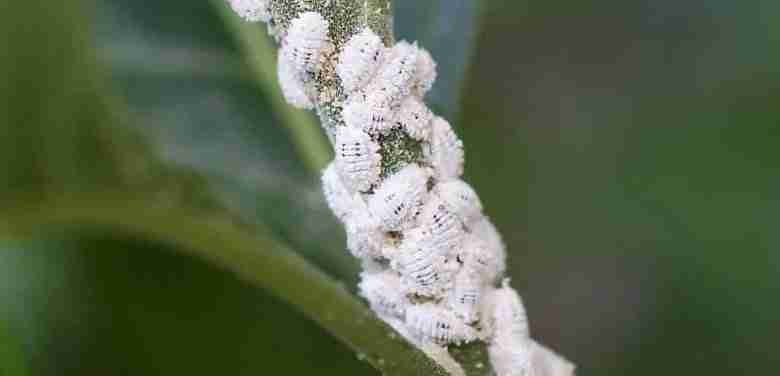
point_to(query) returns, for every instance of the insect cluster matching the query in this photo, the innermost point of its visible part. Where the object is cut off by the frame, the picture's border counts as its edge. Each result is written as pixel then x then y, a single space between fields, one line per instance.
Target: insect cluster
pixel 433 263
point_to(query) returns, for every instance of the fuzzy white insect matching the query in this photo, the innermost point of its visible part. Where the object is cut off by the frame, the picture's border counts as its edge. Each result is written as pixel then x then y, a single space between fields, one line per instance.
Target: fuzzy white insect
pixel 360 59
pixel 395 78
pixel 364 240
pixel 437 324
pixel 508 313
pixel 415 118
pixel 461 199
pixel 252 10
pixel 357 158
pixel 465 297
pixel 307 38
pixel 510 344
pixel 371 113
pixel 445 151
pixel 400 198
pixel 424 269
pixel 440 228
pixel 340 201
pixel 292 86
pixel 426 72
pixel 487 249
pixel 383 292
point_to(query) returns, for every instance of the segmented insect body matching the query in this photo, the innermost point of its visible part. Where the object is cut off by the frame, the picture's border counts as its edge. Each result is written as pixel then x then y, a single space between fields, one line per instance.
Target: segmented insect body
pixel 445 151
pixel 360 59
pixel 368 112
pixel 475 257
pixel 307 38
pixel 425 271
pixel 508 313
pixel 461 199
pixel 340 201
pixel 292 86
pixel 364 240
pixel 426 72
pixel 487 249
pixel 383 292
pixel 465 297
pixel 357 158
pixel 437 324
pixel 395 78
pixel 252 10
pixel 415 118
pixel 440 227
pixel 400 197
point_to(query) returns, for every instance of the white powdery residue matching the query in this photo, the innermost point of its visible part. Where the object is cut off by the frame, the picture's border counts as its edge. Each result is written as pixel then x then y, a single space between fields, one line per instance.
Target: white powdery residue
pixel 370 112
pixel 340 201
pixel 488 249
pixel 461 199
pixel 252 10
pixel 426 72
pixel 399 198
pixel 466 296
pixel 424 267
pixel 445 151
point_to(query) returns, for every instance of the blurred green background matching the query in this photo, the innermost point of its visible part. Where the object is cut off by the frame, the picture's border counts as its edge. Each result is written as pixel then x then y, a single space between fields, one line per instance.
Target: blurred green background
pixel 629 152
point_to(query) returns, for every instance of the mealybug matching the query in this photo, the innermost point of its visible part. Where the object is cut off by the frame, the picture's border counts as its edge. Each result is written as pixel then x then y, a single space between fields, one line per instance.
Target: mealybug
pixel 415 118
pixel 425 268
pixel 340 201
pixel 364 240
pixel 433 323
pixel 444 151
pixel 369 113
pixel 461 199
pixel 425 72
pixel 307 38
pixel 465 297
pixel 357 158
pixel 292 86
pixel 360 59
pixel 490 249
pixel 383 292
pixel 399 198
pixel 440 227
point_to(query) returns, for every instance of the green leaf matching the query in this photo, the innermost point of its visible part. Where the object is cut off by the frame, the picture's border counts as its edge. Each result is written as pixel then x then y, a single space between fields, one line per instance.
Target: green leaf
pixel 71 160
pixel 448 29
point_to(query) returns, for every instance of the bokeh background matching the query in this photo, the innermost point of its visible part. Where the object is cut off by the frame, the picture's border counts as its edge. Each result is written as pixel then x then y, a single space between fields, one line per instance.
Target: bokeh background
pixel 629 152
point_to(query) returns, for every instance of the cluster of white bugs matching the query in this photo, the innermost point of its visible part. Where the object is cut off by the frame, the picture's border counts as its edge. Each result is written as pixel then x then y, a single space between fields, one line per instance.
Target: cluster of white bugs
pixel 433 262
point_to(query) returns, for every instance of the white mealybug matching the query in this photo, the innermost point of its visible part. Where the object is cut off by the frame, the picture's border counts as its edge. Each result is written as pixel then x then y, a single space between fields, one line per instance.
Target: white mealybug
pixel 477 258
pixel 307 38
pixel 357 158
pixel 364 240
pixel 545 362
pixel 340 201
pixel 395 78
pixel 292 86
pixel 461 199
pixel 444 151
pixel 465 297
pixel 252 10
pixel 383 292
pixel 400 197
pixel 433 323
pixel 510 344
pixel 426 72
pixel 424 266
pixel 360 59
pixel 370 113
pixel 440 227
pixel 488 249
pixel 415 118
pixel 508 313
